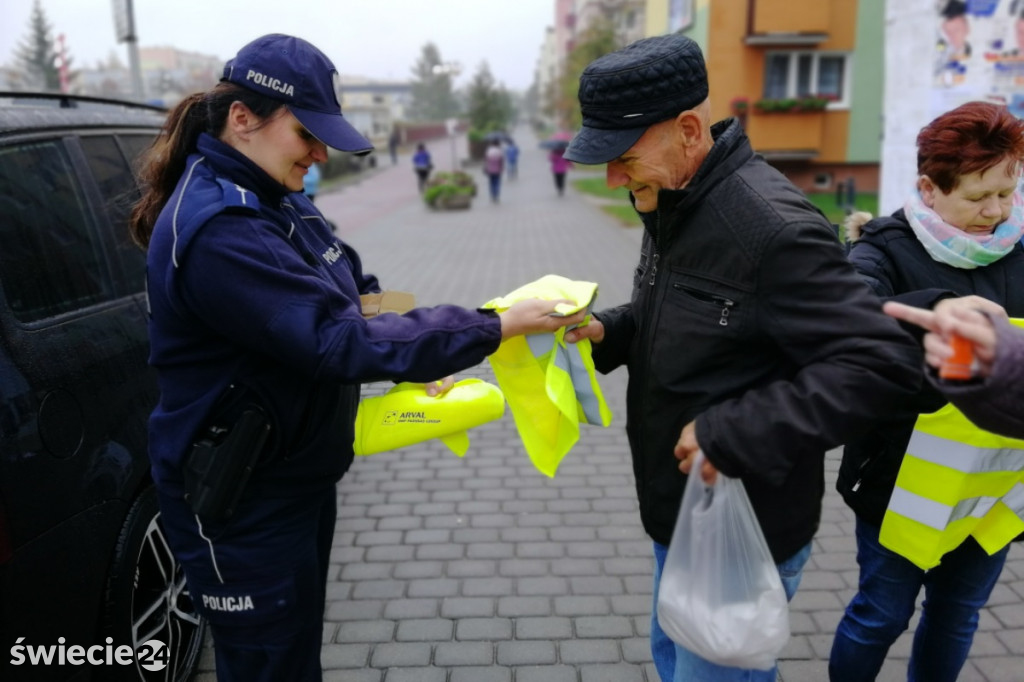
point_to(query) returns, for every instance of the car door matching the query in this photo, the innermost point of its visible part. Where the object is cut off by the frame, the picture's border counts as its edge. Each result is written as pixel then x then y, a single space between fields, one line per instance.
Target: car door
pixel 73 334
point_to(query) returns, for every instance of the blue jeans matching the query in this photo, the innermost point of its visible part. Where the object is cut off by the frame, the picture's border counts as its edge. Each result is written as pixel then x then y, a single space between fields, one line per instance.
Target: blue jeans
pixel 676 664
pixel 494 181
pixel 889 584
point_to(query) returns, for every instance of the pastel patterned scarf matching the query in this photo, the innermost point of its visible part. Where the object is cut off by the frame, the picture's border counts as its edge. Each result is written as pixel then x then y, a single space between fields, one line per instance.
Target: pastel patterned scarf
pixel 953 246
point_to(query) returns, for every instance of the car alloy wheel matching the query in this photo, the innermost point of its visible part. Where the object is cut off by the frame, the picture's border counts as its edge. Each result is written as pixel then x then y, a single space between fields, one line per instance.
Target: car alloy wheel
pixel 148 598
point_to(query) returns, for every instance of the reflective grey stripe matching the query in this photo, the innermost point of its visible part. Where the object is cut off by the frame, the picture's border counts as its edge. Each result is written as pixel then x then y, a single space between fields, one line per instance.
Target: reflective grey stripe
pixel 969 459
pixel 929 512
pixel 570 361
pixel 540 343
pixel 581 383
pixel 209 543
pixel 1014 499
pixel 937 515
pixel 974 506
pixel 177 207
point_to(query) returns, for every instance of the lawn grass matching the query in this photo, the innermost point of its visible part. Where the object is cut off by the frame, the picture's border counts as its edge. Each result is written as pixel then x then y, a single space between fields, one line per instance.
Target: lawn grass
pixel 618 205
pixel 624 213
pixel 826 202
pixel 598 187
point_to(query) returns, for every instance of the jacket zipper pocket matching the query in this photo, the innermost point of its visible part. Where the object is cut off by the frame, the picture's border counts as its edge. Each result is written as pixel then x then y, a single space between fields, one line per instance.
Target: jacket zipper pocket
pixel 725 303
pixel 860 474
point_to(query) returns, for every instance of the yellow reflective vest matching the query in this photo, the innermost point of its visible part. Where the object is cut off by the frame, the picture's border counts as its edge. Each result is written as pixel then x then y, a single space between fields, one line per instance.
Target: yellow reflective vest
pixel 550 385
pixel 956 480
pixel 406 415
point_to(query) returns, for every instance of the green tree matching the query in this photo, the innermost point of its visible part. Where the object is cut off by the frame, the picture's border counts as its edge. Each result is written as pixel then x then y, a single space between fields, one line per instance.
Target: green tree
pixel 530 103
pixel 433 98
pixel 36 55
pixel 596 41
pixel 489 105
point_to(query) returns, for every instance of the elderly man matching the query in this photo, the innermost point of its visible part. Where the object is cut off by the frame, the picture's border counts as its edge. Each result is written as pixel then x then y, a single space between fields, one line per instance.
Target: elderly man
pixel 748 335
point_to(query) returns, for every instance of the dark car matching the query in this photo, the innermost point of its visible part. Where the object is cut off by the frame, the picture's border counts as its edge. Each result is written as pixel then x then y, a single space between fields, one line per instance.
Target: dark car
pixel 86 577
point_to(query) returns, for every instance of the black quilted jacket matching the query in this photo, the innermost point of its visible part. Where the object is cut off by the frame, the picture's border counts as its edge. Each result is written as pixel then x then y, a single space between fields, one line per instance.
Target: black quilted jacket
pixel 896 266
pixel 746 316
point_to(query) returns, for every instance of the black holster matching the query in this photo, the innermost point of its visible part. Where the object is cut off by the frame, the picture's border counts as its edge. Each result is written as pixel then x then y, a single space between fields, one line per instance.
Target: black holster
pixel 223 457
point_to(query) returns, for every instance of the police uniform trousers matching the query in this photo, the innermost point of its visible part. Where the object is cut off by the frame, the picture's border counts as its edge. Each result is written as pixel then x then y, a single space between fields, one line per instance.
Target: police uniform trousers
pixel 260 580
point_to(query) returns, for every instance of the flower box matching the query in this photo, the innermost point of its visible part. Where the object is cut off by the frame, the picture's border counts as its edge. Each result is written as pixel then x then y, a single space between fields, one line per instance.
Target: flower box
pixel 449 190
pixel 785 105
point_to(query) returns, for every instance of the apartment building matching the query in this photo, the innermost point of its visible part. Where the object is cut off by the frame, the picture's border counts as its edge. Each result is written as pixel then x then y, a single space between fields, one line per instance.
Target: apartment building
pixel 572 19
pixel 625 17
pixel 374 106
pixel 804 76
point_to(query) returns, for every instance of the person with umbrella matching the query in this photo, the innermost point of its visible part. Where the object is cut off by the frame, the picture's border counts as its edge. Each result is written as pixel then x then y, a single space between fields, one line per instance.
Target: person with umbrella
pixel 494 165
pixel 511 159
pixel 560 165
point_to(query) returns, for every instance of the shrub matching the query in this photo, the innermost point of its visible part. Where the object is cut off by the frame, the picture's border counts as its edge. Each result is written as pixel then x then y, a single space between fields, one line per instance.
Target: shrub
pixel 444 185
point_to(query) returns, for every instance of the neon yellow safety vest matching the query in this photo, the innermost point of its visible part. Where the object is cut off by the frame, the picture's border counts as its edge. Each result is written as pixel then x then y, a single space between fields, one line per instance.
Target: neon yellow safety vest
pixel 406 415
pixel 956 480
pixel 550 385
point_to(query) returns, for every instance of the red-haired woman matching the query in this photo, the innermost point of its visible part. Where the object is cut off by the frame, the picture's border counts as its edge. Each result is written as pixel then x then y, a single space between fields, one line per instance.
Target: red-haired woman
pixel 957 235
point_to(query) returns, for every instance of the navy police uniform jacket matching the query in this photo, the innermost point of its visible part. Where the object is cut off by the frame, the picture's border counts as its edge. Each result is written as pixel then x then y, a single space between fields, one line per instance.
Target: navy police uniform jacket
pixel 248 285
pixel 746 317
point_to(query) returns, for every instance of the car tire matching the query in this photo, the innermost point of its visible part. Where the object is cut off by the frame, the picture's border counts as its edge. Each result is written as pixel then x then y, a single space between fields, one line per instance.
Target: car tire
pixel 147 599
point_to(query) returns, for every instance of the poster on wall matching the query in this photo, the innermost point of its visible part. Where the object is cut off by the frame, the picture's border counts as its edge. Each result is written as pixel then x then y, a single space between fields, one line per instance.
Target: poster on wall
pixel 680 14
pixel 979 54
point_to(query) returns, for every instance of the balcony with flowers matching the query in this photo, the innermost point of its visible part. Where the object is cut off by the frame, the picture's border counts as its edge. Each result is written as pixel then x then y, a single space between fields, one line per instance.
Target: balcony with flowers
pixel 792 125
pixel 793 105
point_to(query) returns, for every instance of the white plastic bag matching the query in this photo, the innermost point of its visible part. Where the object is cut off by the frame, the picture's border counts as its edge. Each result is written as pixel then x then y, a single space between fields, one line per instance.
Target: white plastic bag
pixel 720 595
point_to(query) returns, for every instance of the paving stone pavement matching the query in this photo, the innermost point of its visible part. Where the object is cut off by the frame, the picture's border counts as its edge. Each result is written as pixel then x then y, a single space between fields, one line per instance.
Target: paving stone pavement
pixel 481 569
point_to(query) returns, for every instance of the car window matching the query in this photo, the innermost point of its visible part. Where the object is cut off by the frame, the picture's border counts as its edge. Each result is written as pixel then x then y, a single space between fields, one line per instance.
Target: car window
pixel 51 262
pixel 134 145
pixel 120 191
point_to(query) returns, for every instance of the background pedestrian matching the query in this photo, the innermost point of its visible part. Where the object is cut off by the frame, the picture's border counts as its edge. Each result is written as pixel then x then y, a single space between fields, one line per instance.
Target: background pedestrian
pixel 422 164
pixel 559 167
pixel 511 159
pixel 393 141
pixel 494 161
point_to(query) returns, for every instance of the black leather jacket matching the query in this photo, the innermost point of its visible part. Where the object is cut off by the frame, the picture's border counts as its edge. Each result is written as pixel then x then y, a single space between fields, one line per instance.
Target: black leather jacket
pixel 896 266
pixel 746 316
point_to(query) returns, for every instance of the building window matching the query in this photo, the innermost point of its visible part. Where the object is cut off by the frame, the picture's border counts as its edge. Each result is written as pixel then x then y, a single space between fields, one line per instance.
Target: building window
pixel 680 15
pixel 793 74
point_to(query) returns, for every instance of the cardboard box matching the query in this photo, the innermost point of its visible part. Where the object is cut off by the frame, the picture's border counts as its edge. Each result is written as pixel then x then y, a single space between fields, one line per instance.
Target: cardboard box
pixel 387 302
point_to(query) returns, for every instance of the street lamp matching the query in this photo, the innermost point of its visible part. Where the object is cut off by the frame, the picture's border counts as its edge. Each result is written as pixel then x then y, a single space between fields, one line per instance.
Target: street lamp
pixel 124 29
pixel 452 71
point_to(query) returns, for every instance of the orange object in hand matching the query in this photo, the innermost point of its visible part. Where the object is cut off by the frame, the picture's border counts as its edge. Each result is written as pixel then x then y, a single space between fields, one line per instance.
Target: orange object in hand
pixel 957 367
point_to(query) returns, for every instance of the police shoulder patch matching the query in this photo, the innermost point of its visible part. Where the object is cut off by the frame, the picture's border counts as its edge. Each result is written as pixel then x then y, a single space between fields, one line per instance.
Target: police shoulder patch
pixel 237 197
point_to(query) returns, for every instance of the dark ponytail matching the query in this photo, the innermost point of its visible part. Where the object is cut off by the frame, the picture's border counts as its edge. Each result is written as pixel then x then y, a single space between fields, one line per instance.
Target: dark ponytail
pixel 164 162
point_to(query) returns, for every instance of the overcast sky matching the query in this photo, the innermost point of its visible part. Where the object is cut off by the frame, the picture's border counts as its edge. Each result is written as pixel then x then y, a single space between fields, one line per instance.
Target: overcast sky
pixel 374 38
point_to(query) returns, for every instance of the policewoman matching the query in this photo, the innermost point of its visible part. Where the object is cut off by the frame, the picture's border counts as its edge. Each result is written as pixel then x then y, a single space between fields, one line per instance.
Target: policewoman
pixel 260 346
pixel 958 234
